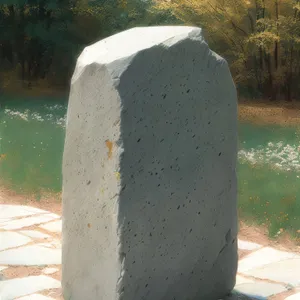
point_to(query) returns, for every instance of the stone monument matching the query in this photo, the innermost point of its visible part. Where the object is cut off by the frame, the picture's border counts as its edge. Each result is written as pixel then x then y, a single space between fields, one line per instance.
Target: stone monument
pixel 149 170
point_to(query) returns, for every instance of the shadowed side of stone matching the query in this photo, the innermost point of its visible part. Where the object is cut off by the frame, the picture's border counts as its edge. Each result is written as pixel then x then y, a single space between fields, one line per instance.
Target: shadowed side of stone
pixel 149 188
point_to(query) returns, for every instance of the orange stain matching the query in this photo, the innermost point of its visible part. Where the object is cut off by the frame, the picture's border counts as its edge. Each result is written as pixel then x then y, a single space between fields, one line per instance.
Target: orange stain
pixel 2 156
pixel 109 145
pixel 89 225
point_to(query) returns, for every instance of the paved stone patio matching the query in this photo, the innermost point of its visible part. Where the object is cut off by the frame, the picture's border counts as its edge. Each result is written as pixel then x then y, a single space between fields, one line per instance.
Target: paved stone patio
pixel 30 258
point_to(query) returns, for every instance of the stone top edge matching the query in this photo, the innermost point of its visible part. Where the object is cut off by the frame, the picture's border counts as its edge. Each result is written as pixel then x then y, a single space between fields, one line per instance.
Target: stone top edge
pixel 128 43
pixel 132 41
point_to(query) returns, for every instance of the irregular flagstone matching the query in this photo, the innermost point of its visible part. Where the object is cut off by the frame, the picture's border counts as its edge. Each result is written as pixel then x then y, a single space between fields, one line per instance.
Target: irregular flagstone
pixel 244 245
pixel 241 279
pixel 13 288
pixel 16 211
pixel 262 289
pixel 21 223
pixel 49 271
pixel 263 257
pixel 12 239
pixel 55 244
pixel 35 234
pixel 53 226
pixel 286 271
pixel 31 256
pixel 239 296
pixel 35 297
pixel 293 297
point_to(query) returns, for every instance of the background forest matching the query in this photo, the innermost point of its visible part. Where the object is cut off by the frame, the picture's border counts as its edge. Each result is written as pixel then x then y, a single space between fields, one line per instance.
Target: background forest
pixel 40 40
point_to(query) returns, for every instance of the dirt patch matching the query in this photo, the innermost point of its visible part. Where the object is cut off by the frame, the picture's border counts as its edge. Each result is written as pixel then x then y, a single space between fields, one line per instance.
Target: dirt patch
pixel 49 202
pixel 262 112
pixel 260 235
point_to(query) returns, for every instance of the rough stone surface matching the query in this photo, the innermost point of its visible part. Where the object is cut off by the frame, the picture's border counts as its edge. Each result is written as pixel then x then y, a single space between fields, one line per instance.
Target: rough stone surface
pixel 149 180
pixel 31 256
pixel 53 226
pixel 13 288
pixel 12 239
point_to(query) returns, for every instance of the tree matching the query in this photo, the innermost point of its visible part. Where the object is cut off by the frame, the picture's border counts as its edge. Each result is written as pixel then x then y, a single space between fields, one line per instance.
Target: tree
pixel 259 38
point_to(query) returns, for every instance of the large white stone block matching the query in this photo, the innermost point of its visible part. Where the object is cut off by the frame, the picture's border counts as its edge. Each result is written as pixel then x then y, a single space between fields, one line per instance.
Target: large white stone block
pixel 149 179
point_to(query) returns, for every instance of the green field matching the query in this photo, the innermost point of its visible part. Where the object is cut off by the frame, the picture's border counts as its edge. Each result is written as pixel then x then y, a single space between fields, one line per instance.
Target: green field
pixel 31 145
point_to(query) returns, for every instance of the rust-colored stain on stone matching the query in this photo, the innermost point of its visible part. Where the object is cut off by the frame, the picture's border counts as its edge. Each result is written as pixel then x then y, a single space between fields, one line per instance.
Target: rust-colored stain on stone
pixel 109 145
pixel 89 225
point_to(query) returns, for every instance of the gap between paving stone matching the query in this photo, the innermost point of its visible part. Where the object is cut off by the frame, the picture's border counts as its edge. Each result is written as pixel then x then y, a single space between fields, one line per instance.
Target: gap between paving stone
pixel 30 221
pixel 35 297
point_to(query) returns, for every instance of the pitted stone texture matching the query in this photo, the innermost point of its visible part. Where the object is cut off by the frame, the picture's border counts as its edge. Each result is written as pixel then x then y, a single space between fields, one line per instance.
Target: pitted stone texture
pixel 149 185
pixel 13 288
pixel 12 240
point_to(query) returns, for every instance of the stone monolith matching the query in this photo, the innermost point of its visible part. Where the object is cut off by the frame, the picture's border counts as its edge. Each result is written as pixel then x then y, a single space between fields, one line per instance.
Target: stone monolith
pixel 149 170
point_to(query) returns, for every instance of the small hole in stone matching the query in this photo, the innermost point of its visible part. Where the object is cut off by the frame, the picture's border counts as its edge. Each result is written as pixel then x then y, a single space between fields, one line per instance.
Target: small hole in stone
pixel 89 182
pixel 138 140
pixel 220 153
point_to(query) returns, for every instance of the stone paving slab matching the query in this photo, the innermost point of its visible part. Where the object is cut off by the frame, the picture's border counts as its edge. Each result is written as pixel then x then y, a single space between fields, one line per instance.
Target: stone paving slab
pixel 244 245
pixel 35 297
pixel 12 240
pixel 2 268
pixel 286 271
pixel 14 288
pixel 263 257
pixel 26 222
pixel 53 226
pixel 16 211
pixel 261 265
pixel 34 255
pixel 262 289
pixel 48 271
pixel 241 279
pixel 35 234
pixel 293 297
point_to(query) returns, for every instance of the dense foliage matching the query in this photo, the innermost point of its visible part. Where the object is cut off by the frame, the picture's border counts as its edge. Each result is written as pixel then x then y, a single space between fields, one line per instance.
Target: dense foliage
pixel 259 38
pixel 40 39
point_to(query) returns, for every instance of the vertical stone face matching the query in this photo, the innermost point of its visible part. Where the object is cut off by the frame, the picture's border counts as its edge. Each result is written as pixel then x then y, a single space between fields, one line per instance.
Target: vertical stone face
pixel 149 179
